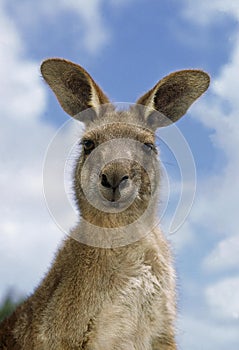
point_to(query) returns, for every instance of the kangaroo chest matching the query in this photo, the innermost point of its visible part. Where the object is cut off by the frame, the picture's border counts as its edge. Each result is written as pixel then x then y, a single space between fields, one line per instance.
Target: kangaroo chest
pixel 100 301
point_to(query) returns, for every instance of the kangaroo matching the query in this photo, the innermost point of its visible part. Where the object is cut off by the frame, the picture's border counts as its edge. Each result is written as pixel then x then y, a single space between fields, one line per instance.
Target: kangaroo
pixel 112 282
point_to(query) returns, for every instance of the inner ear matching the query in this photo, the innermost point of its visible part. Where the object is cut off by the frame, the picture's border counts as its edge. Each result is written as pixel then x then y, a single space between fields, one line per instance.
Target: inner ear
pixel 172 96
pixel 74 88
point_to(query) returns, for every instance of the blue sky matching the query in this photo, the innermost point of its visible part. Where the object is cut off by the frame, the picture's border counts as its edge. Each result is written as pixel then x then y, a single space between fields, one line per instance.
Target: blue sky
pixel 127 46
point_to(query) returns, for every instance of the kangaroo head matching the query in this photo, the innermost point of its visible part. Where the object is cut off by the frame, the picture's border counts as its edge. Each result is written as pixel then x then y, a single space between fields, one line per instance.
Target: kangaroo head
pixel 117 173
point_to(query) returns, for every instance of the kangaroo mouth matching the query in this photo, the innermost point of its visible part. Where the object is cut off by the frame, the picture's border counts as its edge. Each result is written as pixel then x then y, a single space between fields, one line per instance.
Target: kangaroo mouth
pixel 118 199
pixel 111 195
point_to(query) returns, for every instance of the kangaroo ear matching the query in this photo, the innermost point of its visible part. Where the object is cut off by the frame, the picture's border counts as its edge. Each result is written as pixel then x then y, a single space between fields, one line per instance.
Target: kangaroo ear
pixel 172 96
pixel 73 87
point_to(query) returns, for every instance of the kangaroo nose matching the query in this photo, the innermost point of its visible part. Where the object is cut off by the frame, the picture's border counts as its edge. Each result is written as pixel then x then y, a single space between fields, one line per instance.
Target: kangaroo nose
pixel 112 182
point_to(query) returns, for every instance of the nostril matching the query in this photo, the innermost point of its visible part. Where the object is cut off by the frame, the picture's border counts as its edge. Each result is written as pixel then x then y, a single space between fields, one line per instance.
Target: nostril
pixel 104 181
pixel 123 182
pixel 113 183
pixel 124 178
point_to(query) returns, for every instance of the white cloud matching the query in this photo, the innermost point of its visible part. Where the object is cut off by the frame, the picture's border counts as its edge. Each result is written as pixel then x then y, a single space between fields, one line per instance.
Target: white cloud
pixel 90 27
pixel 226 86
pixel 21 94
pixel 90 13
pixel 197 334
pixel 216 206
pixel 27 232
pixel 89 23
pixel 224 256
pixel 218 198
pixel 29 235
pixel 222 298
pixel 184 237
pixel 206 12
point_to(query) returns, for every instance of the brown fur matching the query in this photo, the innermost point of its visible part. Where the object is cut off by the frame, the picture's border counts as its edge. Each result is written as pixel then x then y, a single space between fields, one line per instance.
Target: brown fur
pixel 122 297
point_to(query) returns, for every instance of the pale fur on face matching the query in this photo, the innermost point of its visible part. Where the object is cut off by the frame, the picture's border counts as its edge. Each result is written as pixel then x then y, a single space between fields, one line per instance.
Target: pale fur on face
pixel 134 157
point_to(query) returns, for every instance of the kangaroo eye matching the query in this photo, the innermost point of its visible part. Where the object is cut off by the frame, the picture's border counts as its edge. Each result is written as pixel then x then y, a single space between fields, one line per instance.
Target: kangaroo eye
pixel 88 145
pixel 148 147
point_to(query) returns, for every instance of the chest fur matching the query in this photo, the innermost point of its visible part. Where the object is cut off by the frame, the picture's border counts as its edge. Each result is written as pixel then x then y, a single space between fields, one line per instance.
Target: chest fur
pixel 102 301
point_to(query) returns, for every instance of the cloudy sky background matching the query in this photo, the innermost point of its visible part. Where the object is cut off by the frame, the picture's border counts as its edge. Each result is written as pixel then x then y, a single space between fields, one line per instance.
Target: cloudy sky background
pixel 127 46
